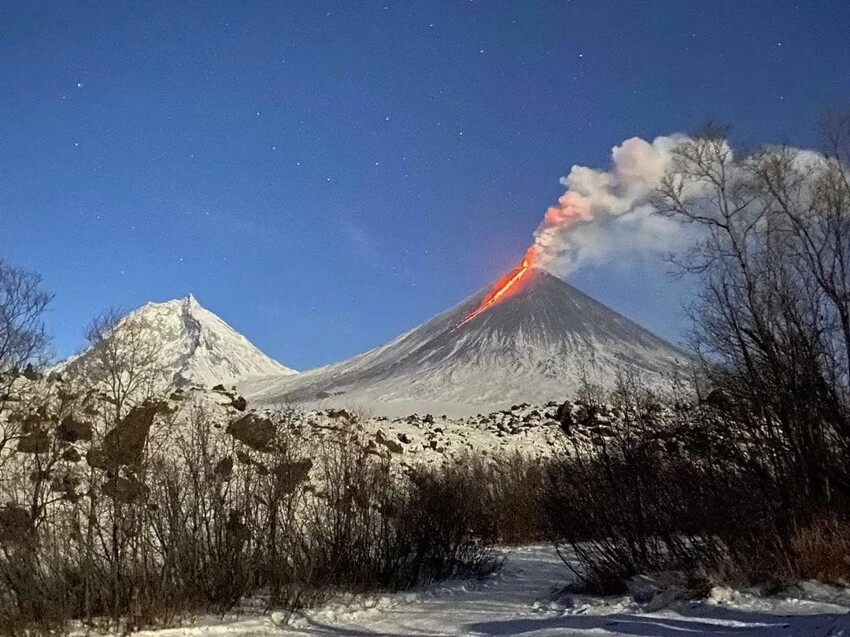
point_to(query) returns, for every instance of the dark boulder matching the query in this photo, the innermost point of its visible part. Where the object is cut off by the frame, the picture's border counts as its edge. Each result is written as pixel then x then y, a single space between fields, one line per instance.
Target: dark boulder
pixel 97 459
pixel 255 431
pixel 718 399
pixel 30 374
pixel 125 444
pixel 290 474
pixel 126 490
pixel 34 442
pixel 72 430
pixel 224 468
pixel 564 416
pixel 71 455
pixel 65 395
pixel 15 525
pixel 392 445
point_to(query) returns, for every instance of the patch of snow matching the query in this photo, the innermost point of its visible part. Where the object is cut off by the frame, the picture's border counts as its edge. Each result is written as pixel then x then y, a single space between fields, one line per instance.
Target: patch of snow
pixel 524 599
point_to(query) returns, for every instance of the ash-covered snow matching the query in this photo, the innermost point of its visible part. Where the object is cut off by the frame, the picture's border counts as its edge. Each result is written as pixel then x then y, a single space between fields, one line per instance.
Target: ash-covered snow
pixel 536 345
pixel 195 347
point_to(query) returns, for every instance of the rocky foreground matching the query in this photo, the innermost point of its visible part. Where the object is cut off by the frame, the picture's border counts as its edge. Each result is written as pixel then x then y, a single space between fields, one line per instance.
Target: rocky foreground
pixel 42 410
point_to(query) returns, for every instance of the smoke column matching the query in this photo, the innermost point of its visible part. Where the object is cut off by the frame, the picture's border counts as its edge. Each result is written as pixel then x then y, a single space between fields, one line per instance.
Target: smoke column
pixel 603 213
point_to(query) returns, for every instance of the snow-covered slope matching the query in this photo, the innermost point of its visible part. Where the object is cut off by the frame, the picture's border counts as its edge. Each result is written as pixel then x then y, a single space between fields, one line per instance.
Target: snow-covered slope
pixel 535 345
pixel 191 345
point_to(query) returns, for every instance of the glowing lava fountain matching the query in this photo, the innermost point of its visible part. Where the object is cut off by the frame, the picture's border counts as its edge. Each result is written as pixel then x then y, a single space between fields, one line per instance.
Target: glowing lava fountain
pixel 504 286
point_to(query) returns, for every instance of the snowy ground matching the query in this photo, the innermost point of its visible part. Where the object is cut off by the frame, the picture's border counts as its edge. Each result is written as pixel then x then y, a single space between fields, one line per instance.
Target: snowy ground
pixel 519 601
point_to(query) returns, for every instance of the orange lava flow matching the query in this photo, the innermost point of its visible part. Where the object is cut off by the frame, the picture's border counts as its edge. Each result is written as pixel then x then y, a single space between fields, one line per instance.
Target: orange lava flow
pixel 502 287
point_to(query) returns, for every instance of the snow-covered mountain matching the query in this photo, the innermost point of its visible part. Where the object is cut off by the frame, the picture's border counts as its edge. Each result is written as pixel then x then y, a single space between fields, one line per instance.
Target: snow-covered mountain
pixel 534 345
pixel 188 345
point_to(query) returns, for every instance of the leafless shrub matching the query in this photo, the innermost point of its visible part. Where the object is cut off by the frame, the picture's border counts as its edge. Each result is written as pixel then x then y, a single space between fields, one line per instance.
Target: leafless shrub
pixel 510 491
pixel 375 527
pixel 160 521
pixel 121 360
pixel 689 494
pixel 772 327
pixel 23 340
pixel 632 505
pixel 821 551
pixel 772 320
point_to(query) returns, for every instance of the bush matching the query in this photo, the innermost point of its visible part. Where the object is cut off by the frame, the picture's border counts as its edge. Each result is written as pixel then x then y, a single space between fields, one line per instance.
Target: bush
pixel 375 527
pixel 691 491
pixel 511 493
pixel 821 551
pixel 631 506
pixel 209 520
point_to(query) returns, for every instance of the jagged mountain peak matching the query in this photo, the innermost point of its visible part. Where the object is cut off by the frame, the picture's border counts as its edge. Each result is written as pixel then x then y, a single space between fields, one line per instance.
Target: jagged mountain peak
pixel 537 343
pixel 185 302
pixel 193 346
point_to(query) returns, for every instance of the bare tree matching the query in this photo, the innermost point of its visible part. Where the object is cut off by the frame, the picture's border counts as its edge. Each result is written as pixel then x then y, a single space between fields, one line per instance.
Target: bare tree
pixel 122 360
pixel 772 318
pixel 23 339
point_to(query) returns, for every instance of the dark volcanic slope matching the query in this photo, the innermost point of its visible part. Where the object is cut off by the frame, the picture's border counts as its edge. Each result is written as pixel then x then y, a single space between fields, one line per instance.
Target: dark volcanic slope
pixel 534 345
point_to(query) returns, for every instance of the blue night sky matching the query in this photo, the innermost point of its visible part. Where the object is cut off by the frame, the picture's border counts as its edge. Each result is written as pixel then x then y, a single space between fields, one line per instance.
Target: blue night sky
pixel 326 175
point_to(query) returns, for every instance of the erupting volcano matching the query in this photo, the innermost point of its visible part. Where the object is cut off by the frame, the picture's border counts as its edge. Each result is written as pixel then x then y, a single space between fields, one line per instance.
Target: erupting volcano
pixel 531 337
pixel 508 284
